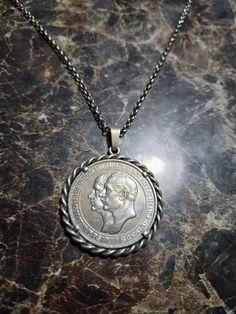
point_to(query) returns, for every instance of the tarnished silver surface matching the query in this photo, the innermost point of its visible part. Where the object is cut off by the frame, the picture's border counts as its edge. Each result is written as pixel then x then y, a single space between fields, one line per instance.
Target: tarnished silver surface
pixel 111 205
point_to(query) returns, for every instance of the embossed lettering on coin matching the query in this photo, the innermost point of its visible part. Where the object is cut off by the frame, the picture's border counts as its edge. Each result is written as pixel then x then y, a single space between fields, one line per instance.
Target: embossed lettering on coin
pixel 112 204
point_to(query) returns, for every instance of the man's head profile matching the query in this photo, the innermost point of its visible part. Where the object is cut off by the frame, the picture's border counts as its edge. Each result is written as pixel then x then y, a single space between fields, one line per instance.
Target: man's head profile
pixel 95 195
pixel 113 196
pixel 119 188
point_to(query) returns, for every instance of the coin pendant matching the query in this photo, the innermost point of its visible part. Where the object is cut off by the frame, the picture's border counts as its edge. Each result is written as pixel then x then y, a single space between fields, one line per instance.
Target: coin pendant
pixel 111 205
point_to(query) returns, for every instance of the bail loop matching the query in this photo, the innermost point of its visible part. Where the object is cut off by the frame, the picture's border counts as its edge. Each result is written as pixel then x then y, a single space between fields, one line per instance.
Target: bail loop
pixel 113 152
pixel 115 139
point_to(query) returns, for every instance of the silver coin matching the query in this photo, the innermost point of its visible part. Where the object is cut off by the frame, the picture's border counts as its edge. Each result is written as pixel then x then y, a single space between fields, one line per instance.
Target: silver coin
pixel 112 204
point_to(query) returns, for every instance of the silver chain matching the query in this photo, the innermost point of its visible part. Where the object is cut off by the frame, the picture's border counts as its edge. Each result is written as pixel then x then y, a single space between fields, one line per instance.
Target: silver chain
pixel 82 87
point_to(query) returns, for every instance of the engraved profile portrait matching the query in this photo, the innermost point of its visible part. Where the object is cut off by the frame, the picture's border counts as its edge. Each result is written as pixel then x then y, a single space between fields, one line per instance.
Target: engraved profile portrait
pixel 96 202
pixel 114 198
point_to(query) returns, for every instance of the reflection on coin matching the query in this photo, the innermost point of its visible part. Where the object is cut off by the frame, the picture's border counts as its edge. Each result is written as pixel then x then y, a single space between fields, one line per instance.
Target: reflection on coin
pixel 112 204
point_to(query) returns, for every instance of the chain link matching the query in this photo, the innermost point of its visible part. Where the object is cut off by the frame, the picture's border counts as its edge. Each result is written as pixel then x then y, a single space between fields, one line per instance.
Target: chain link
pixel 82 87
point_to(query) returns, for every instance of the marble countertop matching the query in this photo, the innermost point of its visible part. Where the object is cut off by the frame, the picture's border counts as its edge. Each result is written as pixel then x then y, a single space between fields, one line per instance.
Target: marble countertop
pixel 185 134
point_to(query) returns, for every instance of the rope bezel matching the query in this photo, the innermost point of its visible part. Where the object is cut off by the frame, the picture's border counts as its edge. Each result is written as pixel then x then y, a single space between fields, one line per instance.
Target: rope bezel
pixel 91 247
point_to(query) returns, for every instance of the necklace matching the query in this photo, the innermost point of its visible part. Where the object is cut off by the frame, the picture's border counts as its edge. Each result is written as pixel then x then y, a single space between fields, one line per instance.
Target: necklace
pixel 110 205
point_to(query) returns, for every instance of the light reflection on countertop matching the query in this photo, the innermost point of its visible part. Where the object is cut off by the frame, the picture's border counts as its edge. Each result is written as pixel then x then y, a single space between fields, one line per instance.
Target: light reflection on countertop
pixel 167 169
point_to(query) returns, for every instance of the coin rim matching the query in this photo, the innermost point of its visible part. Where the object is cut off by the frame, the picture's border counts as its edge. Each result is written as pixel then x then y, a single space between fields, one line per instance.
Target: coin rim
pixel 138 236
pixel 87 245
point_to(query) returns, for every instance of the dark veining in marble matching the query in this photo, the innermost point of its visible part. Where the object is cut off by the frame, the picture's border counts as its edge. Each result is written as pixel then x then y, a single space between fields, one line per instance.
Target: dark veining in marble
pixel 216 257
pixel 185 134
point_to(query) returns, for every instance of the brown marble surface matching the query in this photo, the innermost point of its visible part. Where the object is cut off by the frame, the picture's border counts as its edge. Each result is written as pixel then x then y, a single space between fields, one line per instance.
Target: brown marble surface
pixel 185 133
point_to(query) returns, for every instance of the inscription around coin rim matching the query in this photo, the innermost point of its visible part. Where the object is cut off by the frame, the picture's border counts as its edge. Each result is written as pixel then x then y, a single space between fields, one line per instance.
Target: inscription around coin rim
pixel 111 240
